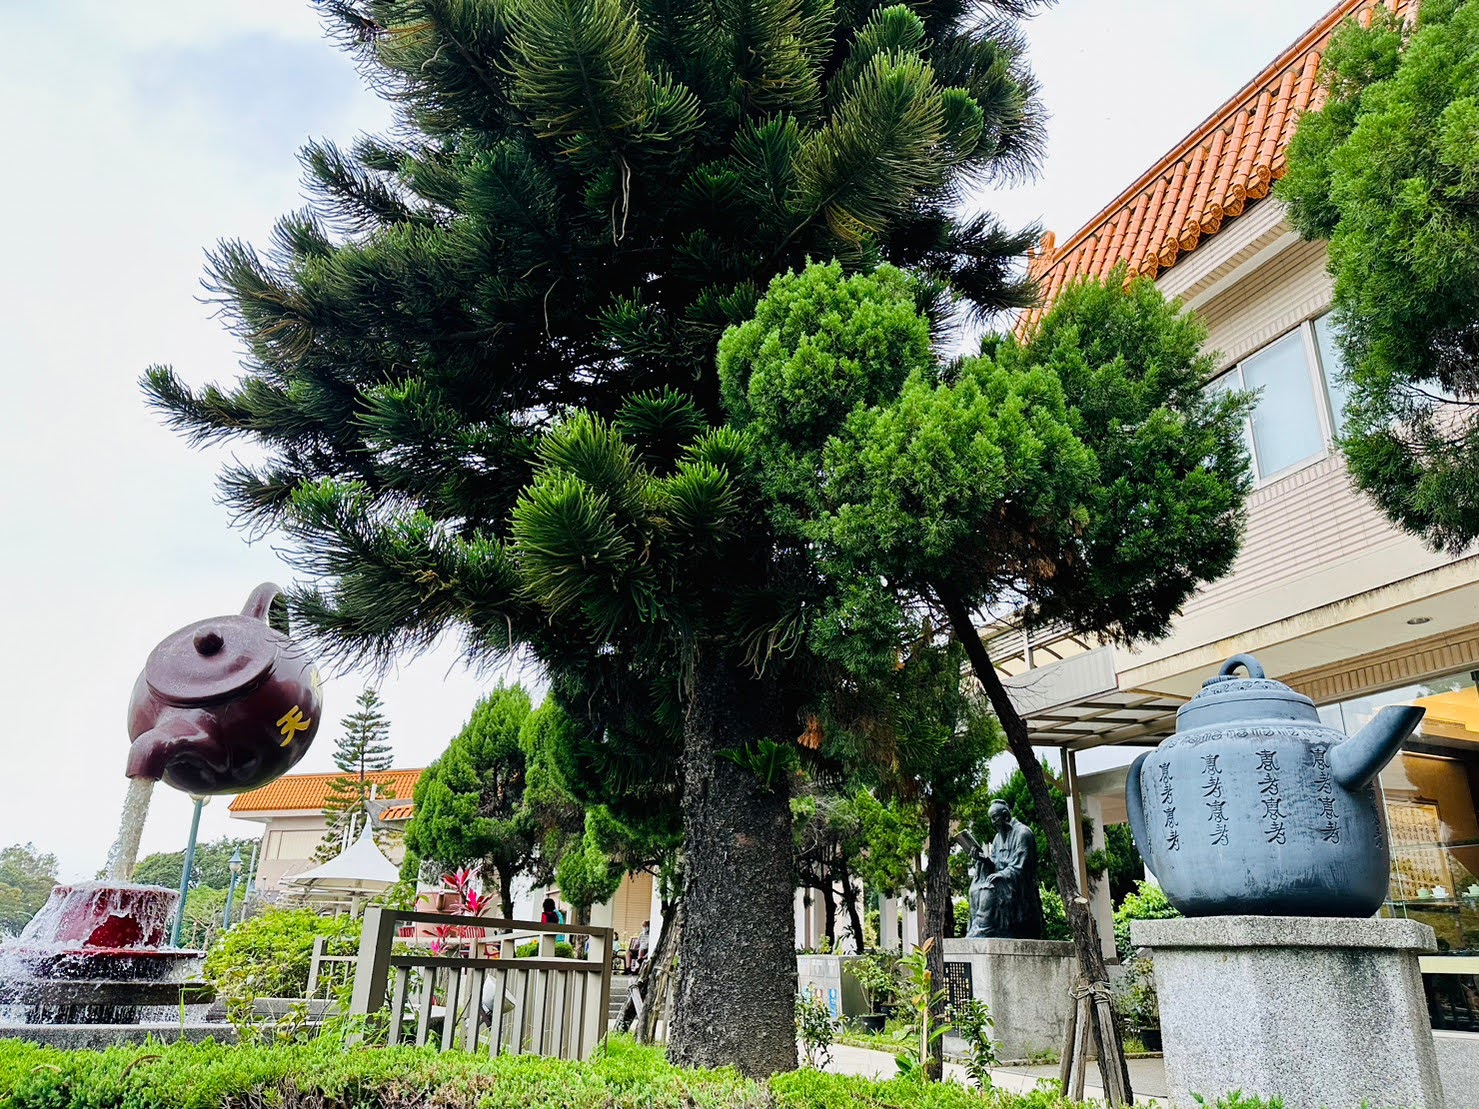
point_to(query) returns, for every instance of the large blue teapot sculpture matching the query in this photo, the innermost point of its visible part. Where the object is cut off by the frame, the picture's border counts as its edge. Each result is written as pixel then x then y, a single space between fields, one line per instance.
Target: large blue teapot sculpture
pixel 1255 807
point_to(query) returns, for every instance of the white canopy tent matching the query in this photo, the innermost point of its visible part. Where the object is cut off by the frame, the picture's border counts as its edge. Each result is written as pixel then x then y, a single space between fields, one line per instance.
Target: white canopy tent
pixel 357 872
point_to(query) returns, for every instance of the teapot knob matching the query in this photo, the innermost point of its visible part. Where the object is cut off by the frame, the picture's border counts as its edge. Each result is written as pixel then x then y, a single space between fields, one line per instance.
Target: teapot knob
pixel 208 642
pixel 1247 662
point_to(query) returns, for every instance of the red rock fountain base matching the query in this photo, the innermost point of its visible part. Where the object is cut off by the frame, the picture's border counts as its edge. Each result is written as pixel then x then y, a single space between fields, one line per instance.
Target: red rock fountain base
pixel 95 954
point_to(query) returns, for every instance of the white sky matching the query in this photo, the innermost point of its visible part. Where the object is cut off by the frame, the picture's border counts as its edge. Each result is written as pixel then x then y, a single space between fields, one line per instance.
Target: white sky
pixel 138 135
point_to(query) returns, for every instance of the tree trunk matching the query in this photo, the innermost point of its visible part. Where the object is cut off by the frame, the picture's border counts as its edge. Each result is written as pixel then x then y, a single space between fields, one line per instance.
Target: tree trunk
pixel 736 999
pixel 1080 922
pixel 829 913
pixel 506 893
pixel 850 899
pixel 936 910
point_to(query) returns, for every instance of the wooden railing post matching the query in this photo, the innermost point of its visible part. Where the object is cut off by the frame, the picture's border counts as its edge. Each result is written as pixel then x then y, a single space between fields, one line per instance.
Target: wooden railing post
pixel 597 1012
pixel 372 968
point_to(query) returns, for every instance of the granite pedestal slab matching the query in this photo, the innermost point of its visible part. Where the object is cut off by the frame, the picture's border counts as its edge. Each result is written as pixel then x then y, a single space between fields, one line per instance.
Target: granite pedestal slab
pixel 1325 1013
pixel 1028 985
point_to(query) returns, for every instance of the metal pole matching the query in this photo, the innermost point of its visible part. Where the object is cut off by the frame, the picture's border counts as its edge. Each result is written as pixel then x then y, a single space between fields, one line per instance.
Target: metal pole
pixel 251 882
pixel 235 868
pixel 174 936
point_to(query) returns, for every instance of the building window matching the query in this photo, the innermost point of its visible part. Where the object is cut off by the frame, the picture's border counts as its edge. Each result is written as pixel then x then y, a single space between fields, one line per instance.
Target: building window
pixel 1333 367
pixel 1296 407
pixel 1429 792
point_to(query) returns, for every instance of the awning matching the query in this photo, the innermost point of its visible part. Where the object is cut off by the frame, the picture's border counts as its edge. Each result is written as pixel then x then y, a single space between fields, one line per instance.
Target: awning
pixel 359 869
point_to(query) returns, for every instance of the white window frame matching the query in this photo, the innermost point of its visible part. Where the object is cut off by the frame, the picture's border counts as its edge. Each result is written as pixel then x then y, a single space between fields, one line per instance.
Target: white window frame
pixel 1319 390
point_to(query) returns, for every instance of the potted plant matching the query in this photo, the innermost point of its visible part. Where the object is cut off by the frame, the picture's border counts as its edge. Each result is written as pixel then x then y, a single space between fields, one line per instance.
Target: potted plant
pixel 1134 998
pixel 876 975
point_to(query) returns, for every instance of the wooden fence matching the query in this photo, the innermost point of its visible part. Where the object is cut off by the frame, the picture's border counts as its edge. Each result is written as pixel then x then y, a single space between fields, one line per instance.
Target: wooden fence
pixel 470 999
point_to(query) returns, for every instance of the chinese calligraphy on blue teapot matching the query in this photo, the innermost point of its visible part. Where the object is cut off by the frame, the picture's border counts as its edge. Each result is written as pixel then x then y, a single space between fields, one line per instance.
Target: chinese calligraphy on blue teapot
pixel 1256 807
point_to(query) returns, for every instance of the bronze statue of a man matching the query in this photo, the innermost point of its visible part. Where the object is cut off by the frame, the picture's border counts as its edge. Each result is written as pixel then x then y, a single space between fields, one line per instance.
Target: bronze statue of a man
pixel 1004 898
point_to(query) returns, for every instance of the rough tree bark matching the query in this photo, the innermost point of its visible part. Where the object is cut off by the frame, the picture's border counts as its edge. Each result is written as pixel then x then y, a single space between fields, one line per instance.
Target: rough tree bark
pixel 736 996
pixel 829 914
pixel 850 900
pixel 506 893
pixel 1080 921
pixel 936 912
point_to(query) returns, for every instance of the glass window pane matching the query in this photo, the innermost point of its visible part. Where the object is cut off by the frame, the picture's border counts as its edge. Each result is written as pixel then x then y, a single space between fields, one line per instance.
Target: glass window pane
pixel 1229 382
pixel 1286 423
pixel 1333 366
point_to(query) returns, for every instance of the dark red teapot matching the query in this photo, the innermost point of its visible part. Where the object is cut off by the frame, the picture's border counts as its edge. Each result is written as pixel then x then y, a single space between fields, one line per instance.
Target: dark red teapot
pixel 224 705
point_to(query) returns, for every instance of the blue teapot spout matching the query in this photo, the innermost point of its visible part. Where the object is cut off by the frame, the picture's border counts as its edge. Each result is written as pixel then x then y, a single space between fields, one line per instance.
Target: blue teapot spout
pixel 1356 761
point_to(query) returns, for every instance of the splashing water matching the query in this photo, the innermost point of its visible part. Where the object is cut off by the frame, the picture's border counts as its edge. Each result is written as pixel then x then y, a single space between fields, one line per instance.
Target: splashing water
pixel 125 850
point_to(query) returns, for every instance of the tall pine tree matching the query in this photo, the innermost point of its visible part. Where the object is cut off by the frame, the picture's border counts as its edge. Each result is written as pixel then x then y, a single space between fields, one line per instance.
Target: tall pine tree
pixel 362 747
pixel 579 198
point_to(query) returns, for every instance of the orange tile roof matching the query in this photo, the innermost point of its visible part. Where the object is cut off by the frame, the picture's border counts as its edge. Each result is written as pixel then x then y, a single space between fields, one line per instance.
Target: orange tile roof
pixel 307 791
pixel 395 813
pixel 1232 159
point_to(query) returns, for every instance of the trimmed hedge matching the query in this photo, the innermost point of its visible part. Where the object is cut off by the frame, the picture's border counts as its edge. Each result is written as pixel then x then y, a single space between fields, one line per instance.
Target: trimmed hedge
pixel 324 1075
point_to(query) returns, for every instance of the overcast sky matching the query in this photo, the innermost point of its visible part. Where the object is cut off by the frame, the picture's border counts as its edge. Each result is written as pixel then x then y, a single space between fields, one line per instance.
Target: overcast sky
pixel 138 135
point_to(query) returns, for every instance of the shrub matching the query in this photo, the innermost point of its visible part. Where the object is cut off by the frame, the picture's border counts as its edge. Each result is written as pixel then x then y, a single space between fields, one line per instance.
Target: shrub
pixel 323 1075
pixel 1147 902
pixel 531 949
pixel 877 975
pixel 973 1023
pixel 269 956
pixel 815 1029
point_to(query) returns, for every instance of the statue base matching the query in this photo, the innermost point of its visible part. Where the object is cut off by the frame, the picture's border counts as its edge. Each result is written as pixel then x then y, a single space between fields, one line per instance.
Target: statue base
pixel 1318 1011
pixel 1028 985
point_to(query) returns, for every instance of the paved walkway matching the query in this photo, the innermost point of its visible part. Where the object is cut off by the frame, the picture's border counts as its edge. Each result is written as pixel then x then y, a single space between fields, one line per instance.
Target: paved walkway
pixel 1147 1076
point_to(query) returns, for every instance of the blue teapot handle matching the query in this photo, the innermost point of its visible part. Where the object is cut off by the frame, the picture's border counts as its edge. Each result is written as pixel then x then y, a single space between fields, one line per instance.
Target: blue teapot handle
pixel 1135 807
pixel 1247 662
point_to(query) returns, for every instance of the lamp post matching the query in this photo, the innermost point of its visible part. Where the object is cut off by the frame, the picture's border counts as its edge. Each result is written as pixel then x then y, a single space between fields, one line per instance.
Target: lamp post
pixel 174 936
pixel 235 867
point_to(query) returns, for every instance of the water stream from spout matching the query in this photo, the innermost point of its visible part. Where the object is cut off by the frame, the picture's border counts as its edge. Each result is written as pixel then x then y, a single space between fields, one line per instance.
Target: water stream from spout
pixel 125 850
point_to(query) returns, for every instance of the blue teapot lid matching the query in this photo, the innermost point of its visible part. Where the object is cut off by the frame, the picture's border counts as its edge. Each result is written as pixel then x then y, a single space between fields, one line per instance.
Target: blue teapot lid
pixel 1229 699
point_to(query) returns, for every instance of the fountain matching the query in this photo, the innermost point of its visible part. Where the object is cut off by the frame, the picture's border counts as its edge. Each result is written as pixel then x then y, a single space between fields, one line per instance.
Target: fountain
pixel 222 706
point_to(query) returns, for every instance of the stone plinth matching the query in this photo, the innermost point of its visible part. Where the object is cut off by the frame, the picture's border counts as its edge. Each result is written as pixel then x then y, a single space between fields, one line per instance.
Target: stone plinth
pixel 1028 985
pixel 1324 1013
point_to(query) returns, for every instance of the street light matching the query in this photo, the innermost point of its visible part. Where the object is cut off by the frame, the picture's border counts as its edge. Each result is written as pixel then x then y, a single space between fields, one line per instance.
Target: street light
pixel 235 866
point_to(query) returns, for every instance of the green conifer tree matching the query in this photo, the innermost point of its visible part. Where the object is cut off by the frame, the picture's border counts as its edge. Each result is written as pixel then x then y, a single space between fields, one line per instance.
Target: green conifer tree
pixel 578 200
pixel 362 747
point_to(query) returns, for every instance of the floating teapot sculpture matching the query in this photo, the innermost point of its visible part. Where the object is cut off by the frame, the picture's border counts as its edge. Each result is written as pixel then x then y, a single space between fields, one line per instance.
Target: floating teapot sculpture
pixel 223 705
pixel 1256 807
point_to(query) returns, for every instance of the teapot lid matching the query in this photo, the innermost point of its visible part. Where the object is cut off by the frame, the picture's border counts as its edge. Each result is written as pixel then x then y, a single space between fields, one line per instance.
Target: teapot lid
pixel 211 659
pixel 1229 699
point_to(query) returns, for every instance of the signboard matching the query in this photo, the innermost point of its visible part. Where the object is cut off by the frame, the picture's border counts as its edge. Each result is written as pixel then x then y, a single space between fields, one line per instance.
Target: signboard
pixel 958 983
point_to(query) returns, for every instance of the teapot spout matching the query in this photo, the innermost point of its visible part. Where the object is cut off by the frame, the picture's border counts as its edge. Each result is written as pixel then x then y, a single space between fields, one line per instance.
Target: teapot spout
pixel 1359 759
pixel 178 735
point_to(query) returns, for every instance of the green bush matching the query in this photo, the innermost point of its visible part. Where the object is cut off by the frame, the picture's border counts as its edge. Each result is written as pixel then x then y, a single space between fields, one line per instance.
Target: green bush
pixel 531 949
pixel 1147 902
pixel 323 1075
pixel 269 956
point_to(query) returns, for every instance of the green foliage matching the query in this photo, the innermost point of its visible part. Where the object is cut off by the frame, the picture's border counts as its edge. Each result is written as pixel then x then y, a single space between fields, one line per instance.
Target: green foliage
pixel 204 912
pixel 1134 995
pixel 1147 902
pixel 767 760
pixel 1083 475
pixel 26 879
pixel 974 1025
pixel 1054 915
pixel 530 950
pixel 623 1075
pixel 269 956
pixel 1386 171
pixel 877 975
pixel 815 1028
pixel 361 747
pixel 920 999
pixel 469 803
pixel 212 865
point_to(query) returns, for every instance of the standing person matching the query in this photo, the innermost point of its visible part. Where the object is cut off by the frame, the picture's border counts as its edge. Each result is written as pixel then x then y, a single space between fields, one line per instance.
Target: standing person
pixel 550 914
pixel 633 947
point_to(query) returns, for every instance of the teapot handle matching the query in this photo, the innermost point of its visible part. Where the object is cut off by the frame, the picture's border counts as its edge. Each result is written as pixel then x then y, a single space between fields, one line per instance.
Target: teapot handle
pixel 1247 662
pixel 1135 808
pixel 259 604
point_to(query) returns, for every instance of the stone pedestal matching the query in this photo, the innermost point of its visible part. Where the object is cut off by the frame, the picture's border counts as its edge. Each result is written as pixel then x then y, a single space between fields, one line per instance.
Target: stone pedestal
pixel 1028 985
pixel 1324 1013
